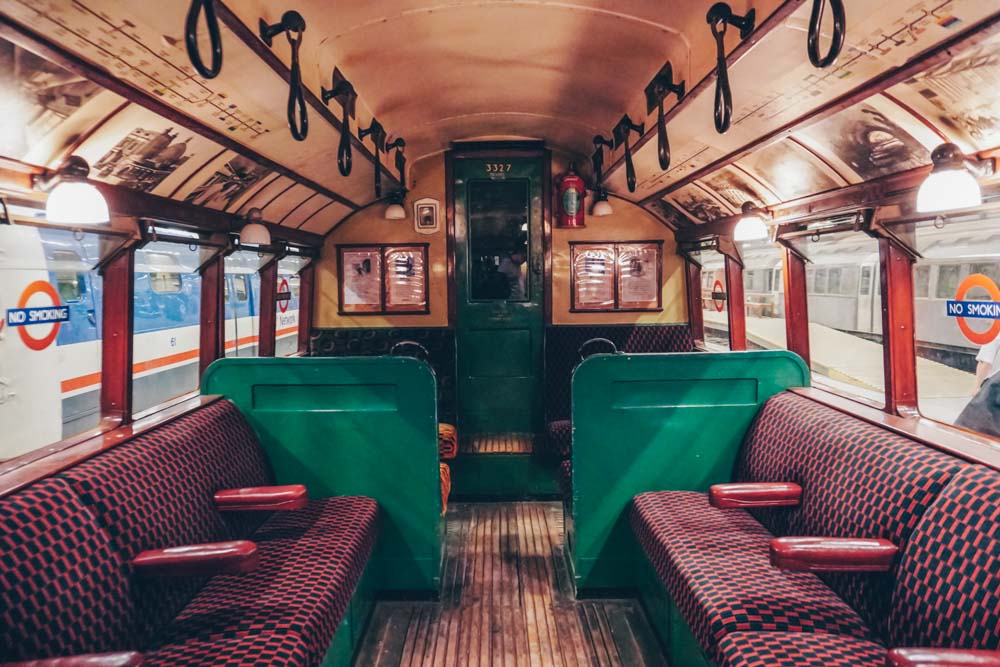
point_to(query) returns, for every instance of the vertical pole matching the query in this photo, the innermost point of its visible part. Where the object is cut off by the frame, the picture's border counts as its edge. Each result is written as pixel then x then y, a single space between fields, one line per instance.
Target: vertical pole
pixel 116 338
pixel 796 304
pixel 307 286
pixel 737 308
pixel 213 323
pixel 696 316
pixel 899 345
pixel 268 309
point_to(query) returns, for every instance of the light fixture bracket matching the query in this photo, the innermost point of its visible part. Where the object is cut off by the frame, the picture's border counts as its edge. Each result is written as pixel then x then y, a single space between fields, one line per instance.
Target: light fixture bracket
pixel 74 168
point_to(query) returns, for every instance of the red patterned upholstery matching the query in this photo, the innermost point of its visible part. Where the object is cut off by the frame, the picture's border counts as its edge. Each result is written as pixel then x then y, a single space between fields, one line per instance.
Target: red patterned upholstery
pixel 566 479
pixel 715 565
pixel 858 481
pixel 310 563
pixel 791 649
pixel 156 491
pixel 948 593
pixel 62 586
pixel 265 650
pixel 557 444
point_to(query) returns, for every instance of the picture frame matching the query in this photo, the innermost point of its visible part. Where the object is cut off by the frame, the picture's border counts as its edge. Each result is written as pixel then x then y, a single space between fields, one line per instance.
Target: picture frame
pixel 426 216
pixel 382 279
pixel 616 276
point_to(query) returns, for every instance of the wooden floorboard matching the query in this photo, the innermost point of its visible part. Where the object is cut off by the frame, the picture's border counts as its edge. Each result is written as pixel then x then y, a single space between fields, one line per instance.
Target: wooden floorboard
pixel 498 443
pixel 507 601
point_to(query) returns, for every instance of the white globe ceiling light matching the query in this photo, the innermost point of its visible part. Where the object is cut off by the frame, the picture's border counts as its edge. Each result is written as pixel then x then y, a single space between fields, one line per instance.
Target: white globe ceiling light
pixel 752 226
pixel 952 183
pixel 254 232
pixel 602 207
pixel 72 200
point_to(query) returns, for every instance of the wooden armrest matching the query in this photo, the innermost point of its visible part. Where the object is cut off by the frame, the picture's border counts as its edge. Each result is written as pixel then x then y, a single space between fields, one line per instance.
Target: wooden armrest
pixel 198 560
pixel 755 494
pixel 120 659
pixel 271 498
pixel 832 554
pixel 942 657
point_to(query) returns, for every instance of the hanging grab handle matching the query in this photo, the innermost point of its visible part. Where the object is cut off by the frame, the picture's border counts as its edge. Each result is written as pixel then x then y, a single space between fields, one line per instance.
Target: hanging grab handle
pixel 377 133
pixel 656 95
pixel 662 141
pixel 720 17
pixel 214 37
pixel 342 91
pixel 816 29
pixel 623 129
pixel 293 25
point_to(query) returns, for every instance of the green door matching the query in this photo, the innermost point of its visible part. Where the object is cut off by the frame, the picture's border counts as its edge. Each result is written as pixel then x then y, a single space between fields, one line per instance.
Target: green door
pixel 498 272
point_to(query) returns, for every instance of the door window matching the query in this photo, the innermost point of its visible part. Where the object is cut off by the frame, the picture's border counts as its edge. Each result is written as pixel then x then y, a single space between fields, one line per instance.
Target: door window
pixel 499 240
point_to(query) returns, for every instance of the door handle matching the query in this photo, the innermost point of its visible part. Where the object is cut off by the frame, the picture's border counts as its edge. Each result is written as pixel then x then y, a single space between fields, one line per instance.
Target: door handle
pixel 536 265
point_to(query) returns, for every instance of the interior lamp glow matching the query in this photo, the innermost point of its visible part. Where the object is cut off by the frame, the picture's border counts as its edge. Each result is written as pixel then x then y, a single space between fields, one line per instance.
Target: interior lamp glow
pixel 254 232
pixel 751 227
pixel 72 200
pixel 395 210
pixel 952 183
pixel 602 207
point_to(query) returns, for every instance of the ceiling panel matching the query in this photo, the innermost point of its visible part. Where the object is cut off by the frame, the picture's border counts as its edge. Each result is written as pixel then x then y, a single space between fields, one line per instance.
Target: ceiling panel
pixel 304 211
pixel 326 218
pixel 280 207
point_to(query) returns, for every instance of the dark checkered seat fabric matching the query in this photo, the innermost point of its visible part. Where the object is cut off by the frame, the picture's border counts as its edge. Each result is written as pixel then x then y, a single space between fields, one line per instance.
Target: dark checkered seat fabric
pixel 263 650
pixel 948 588
pixel 63 589
pixel 558 441
pixel 858 480
pixel 311 562
pixel 566 479
pixel 793 649
pixel 716 567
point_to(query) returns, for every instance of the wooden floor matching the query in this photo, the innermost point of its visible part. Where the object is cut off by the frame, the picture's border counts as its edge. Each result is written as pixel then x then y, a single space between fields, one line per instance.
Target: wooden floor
pixel 507 601
pixel 498 443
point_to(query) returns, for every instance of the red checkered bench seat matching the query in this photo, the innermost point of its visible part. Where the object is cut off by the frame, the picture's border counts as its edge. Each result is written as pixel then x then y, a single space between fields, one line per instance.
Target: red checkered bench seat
pixel 857 481
pixel 69 587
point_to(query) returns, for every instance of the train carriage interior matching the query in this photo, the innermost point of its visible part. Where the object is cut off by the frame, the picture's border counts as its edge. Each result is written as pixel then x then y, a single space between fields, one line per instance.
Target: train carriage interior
pixel 500 333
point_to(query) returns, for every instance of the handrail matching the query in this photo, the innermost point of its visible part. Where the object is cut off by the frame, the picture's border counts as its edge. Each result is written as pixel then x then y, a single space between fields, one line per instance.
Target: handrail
pixel 214 36
pixel 719 18
pixel 816 29
pixel 291 22
pixel 343 91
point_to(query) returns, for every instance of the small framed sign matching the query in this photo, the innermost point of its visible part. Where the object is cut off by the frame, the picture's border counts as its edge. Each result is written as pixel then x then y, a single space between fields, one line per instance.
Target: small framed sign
pixel 616 276
pixel 639 276
pixel 406 279
pixel 360 279
pixel 593 276
pixel 426 218
pixel 380 279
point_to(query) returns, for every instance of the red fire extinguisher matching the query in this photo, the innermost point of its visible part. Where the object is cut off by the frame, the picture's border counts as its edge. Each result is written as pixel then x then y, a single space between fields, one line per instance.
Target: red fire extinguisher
pixel 571 192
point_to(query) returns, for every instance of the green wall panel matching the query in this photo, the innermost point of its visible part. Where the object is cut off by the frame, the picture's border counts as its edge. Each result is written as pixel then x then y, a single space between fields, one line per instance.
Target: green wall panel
pixel 352 426
pixel 648 422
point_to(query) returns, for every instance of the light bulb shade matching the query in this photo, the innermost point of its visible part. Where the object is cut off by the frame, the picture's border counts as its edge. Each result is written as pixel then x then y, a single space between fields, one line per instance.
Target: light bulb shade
pixel 395 212
pixel 602 207
pixel 949 189
pixel 750 228
pixel 254 233
pixel 76 203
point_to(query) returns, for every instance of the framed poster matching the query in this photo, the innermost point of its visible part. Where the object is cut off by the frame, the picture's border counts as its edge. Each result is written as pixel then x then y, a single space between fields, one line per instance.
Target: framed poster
pixel 592 276
pixel 616 277
pixel 360 269
pixel 639 272
pixel 406 279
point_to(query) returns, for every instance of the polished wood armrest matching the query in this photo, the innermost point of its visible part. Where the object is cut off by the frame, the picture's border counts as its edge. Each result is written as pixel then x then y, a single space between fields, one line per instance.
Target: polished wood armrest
pixel 198 560
pixel 755 494
pixel 268 498
pixel 119 659
pixel 942 657
pixel 832 554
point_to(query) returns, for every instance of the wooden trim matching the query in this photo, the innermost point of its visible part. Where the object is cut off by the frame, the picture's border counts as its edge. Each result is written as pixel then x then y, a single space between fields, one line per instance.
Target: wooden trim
pixel 899 345
pixel 770 23
pixel 196 172
pixel 548 205
pixel 117 340
pixel 696 315
pixel 796 303
pixel 28 39
pixel 736 307
pixel 252 41
pixel 953 440
pixel 307 297
pixel 508 149
pixel 449 207
pixel 268 321
pixel 939 53
pixel 297 207
pixel 19 472
pixel 213 321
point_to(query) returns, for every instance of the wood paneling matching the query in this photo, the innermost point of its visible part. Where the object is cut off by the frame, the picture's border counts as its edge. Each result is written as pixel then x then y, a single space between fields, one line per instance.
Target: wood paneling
pixel 268 309
pixel 736 311
pixel 696 315
pixel 796 304
pixel 498 443
pixel 116 338
pixel 898 320
pixel 507 600
pixel 213 330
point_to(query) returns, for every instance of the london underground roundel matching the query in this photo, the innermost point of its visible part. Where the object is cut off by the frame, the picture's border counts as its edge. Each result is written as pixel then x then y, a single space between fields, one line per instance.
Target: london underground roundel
pixel 45 309
pixel 961 309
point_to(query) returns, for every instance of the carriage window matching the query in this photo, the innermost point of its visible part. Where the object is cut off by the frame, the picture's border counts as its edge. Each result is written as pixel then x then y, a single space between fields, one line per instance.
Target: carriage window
pixel 955 287
pixel 243 303
pixel 845 317
pixel 166 322
pixel 498 240
pixel 714 299
pixel 286 335
pixel 50 337
pixel 764 295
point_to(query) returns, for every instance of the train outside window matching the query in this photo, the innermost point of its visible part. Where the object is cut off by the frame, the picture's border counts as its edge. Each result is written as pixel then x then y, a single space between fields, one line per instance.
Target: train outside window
pixel 286 321
pixel 242 285
pixel 764 295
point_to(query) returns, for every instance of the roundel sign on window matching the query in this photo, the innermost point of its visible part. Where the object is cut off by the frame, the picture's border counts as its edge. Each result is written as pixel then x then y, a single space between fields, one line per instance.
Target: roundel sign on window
pixel 719 296
pixel 38 315
pixel 284 295
pixel 960 308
